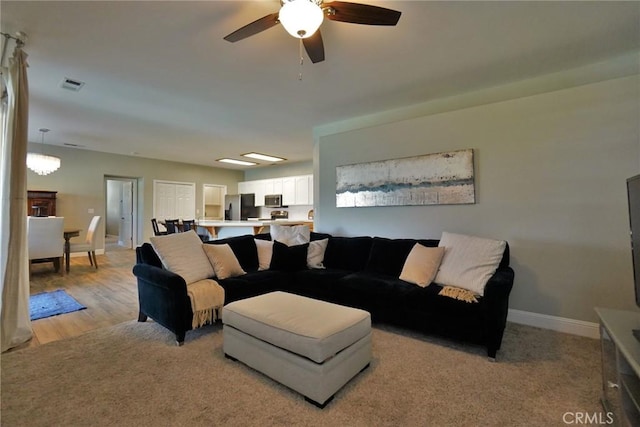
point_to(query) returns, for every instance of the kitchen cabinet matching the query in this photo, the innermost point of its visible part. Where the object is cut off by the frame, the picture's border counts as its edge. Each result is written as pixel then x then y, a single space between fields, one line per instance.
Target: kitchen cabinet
pixel 302 190
pixel 272 186
pixel 295 190
pixel 289 191
pixel 255 187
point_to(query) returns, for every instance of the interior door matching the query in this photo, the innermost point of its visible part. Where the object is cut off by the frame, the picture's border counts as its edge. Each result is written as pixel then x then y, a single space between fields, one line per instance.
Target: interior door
pixel 126 215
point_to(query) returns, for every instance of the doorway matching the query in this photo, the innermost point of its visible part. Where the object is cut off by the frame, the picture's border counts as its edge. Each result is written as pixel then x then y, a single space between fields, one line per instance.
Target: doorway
pixel 121 217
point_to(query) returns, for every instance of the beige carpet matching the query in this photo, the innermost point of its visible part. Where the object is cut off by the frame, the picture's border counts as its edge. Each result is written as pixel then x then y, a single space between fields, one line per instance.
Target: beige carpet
pixel 132 375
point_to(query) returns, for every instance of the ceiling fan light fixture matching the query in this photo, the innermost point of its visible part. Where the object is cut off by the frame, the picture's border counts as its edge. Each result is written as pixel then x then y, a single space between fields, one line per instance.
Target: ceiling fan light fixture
pixel 301 18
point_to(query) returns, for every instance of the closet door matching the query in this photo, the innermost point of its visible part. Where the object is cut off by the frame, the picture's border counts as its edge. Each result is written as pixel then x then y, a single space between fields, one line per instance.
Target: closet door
pixel 174 200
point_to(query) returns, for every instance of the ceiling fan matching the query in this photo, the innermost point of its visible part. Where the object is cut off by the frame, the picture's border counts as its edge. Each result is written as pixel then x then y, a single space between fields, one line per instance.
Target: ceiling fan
pixel 302 19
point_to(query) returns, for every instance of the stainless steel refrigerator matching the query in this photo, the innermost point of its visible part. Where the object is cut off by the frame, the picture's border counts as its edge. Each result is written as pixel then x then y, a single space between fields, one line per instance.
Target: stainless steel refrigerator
pixel 239 207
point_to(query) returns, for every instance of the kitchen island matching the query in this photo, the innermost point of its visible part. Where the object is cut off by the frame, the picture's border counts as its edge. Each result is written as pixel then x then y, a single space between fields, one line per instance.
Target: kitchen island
pixel 221 229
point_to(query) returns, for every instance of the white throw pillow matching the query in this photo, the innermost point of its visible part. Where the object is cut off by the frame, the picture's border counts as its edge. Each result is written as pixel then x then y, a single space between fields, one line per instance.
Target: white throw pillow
pixel 182 254
pixel 421 265
pixel 290 235
pixel 265 252
pixel 469 261
pixel 315 253
pixel 224 261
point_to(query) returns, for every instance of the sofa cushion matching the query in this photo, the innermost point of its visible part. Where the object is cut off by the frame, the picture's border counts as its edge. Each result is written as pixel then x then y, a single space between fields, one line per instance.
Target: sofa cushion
pixel 182 253
pixel 289 258
pixel 347 253
pixel 290 235
pixel 315 253
pixel 265 252
pixel 389 255
pixel 244 248
pixel 421 265
pixel 254 283
pixel 317 283
pixel 223 260
pixel 469 261
pixel 314 235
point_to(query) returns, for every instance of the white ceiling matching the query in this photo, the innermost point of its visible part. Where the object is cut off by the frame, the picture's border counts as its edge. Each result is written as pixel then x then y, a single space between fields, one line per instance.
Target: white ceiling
pixel 162 82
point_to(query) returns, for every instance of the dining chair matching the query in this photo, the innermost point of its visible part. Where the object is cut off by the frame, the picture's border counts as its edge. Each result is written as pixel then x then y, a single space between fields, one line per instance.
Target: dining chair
pixel 156 229
pixel 188 224
pixel 171 225
pixel 45 237
pixel 89 245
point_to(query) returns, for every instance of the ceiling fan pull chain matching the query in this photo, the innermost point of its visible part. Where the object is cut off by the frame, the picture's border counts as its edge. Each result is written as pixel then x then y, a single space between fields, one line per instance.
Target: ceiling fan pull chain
pixel 301 61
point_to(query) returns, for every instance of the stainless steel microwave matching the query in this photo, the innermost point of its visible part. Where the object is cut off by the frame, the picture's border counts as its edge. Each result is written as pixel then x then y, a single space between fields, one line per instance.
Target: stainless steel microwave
pixel 273 200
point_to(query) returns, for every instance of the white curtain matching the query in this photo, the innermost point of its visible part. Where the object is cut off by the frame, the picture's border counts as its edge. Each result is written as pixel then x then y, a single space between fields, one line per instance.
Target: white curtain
pixel 15 325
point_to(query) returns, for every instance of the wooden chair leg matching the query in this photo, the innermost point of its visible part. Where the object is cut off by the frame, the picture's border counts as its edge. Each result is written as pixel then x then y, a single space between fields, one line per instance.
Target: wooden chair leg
pixel 56 265
pixel 95 260
pixel 90 259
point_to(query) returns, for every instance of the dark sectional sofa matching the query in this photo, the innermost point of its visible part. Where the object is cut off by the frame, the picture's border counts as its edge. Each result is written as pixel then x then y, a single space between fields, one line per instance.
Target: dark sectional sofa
pixel 361 272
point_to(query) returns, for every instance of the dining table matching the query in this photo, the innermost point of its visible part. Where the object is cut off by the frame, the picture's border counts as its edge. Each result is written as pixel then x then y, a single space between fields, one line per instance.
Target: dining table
pixel 68 234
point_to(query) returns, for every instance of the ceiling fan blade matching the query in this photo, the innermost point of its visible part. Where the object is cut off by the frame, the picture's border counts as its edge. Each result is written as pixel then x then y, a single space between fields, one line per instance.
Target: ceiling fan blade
pixel 255 27
pixel 314 47
pixel 356 13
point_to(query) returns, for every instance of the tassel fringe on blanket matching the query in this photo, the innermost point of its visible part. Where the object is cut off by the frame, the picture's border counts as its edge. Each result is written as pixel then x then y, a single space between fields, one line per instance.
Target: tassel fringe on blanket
pixel 207 299
pixel 458 293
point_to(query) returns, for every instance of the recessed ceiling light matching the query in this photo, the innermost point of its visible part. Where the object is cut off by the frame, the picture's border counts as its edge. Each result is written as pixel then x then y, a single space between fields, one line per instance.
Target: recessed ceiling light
pixel 237 162
pixel 264 157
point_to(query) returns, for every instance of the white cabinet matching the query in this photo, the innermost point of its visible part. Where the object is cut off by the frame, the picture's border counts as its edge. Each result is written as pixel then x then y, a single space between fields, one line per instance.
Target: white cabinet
pixel 289 191
pixel 295 190
pixel 302 190
pixel 255 187
pixel 272 186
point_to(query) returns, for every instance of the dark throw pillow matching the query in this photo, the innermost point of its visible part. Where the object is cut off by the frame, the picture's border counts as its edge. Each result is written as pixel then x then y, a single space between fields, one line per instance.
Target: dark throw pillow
pixel 289 258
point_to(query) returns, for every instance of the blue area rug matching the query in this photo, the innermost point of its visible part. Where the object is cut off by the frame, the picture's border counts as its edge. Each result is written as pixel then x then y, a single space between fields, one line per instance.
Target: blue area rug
pixel 49 304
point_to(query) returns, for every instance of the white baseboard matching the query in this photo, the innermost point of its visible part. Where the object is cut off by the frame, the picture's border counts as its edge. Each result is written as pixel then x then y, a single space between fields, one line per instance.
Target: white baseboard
pixel 77 254
pixel 555 323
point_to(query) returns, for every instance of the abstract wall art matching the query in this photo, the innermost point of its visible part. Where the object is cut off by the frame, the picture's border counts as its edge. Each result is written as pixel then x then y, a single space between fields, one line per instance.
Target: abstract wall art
pixel 430 179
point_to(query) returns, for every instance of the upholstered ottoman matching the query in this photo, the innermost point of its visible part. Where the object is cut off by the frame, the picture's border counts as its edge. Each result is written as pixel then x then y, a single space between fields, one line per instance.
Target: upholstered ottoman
pixel 313 347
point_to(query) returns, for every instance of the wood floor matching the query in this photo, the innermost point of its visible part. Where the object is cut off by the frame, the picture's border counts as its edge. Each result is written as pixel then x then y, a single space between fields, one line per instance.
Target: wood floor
pixel 110 294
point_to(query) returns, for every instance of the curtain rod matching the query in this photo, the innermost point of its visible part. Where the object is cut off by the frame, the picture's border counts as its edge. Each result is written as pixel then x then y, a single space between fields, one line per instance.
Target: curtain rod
pixel 18 37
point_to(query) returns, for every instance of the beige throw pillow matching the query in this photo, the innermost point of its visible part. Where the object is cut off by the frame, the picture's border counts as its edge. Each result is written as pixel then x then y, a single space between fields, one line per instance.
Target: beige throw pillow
pixel 315 253
pixel 182 254
pixel 290 235
pixel 224 261
pixel 469 261
pixel 421 265
pixel 265 252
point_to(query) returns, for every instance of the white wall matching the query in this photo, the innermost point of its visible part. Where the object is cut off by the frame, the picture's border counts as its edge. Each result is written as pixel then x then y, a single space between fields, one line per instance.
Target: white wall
pixel 550 174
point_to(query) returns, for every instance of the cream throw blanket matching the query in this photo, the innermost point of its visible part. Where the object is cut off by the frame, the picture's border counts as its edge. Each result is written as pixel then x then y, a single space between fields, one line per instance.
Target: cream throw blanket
pixel 207 298
pixel 459 294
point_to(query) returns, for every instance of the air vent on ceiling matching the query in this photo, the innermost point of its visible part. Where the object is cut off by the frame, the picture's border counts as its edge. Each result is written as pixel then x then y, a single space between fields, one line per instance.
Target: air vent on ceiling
pixel 71 84
pixel 69 144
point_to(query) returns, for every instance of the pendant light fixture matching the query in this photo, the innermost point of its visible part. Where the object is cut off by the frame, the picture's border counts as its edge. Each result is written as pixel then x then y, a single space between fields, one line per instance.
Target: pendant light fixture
pixel 40 163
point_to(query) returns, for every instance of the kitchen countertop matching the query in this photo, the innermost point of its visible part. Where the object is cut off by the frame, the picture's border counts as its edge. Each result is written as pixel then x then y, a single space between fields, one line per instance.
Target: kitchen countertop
pixel 251 223
pixel 214 226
